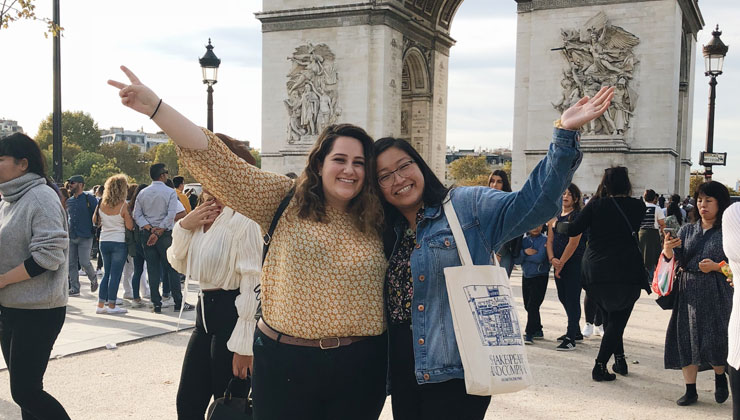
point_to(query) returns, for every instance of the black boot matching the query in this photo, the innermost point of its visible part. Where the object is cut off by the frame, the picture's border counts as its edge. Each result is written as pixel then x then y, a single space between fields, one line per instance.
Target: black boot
pixel 599 373
pixel 720 388
pixel 620 365
pixel 690 397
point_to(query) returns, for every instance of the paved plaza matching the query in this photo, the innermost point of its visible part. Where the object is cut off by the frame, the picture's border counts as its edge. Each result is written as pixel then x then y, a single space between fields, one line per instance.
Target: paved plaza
pixel 138 379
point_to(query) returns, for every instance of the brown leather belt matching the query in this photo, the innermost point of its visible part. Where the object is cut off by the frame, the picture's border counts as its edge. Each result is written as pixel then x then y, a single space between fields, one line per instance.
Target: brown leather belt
pixel 325 343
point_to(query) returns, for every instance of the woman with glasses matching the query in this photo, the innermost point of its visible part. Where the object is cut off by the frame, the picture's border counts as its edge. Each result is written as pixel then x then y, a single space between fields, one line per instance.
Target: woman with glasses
pixel 320 347
pixel 425 369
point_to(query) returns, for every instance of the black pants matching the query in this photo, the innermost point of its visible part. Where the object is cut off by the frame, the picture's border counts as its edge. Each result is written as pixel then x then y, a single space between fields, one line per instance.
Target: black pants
pixel 437 401
pixel 569 294
pixel 157 266
pixel 206 369
pixel 616 302
pixel 533 291
pixel 295 382
pixel 593 313
pixel 27 336
pixel 735 388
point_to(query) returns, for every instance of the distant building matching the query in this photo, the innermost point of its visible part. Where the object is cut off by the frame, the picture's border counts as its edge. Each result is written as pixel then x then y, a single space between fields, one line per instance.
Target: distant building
pixel 144 141
pixel 8 127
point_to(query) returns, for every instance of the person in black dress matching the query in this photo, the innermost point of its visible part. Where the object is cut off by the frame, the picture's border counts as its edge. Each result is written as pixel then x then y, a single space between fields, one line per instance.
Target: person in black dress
pixel 613 271
pixel 696 338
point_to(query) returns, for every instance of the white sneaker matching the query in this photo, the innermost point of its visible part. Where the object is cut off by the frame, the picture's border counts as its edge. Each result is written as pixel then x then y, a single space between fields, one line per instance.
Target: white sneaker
pixel 129 297
pixel 99 310
pixel 137 303
pixel 116 310
pixel 599 331
pixel 81 273
pixel 119 302
pixel 588 330
pixel 166 303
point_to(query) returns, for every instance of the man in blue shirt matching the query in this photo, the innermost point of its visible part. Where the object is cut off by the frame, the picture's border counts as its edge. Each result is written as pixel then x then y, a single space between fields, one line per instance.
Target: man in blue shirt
pixel 154 213
pixel 80 209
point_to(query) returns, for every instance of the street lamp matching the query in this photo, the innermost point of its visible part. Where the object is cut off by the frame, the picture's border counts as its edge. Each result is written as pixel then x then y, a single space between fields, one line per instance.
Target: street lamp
pixel 714 57
pixel 209 64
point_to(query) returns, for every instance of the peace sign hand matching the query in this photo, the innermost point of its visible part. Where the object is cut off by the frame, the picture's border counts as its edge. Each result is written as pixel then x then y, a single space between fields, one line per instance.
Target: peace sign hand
pixel 587 109
pixel 136 96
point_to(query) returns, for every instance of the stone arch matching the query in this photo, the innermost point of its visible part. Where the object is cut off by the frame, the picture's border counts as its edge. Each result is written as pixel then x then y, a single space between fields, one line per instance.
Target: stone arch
pixel 416 101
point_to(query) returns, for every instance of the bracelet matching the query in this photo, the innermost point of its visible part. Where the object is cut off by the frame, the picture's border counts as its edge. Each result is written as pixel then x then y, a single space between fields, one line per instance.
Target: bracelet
pixel 156 109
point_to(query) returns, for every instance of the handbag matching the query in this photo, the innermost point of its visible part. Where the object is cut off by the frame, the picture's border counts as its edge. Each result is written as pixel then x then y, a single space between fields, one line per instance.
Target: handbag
pixel 646 280
pixel 484 315
pixel 664 276
pixel 230 407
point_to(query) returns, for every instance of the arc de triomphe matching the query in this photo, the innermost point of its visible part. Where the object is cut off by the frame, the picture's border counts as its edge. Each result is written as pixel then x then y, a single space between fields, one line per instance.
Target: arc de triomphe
pixel 383 65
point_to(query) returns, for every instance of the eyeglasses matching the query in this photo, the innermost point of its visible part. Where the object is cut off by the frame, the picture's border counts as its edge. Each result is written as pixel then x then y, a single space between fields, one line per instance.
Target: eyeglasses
pixel 403 171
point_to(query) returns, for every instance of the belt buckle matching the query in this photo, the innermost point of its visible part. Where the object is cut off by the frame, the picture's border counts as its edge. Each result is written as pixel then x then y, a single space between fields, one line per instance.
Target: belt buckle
pixel 323 347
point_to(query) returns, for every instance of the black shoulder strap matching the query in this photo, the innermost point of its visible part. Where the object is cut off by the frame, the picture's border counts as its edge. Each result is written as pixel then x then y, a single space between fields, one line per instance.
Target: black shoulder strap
pixel 626 220
pixel 275 219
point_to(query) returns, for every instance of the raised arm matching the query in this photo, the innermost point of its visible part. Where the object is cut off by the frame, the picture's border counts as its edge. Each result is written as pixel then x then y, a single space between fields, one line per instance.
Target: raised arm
pixel 140 98
pixel 505 216
pixel 239 185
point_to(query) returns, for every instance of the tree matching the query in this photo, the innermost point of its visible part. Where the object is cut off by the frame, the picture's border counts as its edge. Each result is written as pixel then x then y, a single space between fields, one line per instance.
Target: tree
pixel 167 153
pixel 77 127
pixel 128 157
pixel 83 164
pixel 469 168
pixel 12 10
pixel 257 157
pixel 100 172
pixel 694 182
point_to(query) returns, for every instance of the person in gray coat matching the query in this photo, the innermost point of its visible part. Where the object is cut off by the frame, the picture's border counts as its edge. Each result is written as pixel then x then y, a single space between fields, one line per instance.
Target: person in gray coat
pixel 33 274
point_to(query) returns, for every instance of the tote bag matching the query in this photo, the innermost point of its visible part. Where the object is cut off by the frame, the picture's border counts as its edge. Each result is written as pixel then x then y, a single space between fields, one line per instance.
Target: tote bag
pixel 484 315
pixel 664 276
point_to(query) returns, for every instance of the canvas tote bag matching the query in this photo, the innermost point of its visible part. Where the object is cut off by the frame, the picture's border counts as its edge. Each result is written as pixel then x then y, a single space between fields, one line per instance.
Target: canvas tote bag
pixel 485 320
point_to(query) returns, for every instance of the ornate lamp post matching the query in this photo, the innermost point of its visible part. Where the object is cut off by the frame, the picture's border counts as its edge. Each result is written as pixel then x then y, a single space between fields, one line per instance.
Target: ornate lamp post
pixel 714 57
pixel 209 64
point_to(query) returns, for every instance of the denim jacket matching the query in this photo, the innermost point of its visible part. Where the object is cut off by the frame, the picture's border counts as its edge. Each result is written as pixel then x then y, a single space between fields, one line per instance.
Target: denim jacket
pixel 488 218
pixel 537 264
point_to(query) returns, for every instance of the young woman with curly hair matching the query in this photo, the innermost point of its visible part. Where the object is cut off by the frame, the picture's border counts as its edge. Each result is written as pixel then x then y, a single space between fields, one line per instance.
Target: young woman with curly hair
pixel 113 217
pixel 320 347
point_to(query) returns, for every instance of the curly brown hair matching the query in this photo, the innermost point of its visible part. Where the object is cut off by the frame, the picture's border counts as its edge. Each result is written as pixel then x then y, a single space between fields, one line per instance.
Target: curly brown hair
pixel 116 188
pixel 365 208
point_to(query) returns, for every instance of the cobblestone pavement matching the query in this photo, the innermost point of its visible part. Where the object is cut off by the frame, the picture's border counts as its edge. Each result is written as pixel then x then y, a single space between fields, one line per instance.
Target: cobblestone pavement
pixel 138 380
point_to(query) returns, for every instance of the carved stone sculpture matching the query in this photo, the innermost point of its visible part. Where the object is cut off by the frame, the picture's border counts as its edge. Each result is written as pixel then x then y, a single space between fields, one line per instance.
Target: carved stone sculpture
pixel 313 97
pixel 600 54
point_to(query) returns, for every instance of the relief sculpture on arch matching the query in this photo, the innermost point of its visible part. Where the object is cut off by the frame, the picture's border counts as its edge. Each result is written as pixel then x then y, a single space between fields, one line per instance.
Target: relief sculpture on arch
pixel 600 54
pixel 313 96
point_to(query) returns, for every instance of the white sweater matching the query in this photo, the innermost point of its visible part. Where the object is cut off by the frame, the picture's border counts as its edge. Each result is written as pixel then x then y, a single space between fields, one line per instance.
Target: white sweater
pixel 731 245
pixel 228 256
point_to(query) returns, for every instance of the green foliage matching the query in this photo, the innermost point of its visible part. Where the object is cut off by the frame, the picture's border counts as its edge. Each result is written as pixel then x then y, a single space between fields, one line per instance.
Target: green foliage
pixel 167 153
pixel 83 165
pixel 257 157
pixel 77 127
pixel 694 183
pixel 102 171
pixel 480 180
pixel 469 168
pixel 128 158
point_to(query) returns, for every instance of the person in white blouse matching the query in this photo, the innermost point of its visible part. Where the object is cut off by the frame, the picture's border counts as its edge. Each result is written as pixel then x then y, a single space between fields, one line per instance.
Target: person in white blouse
pixel 731 245
pixel 221 250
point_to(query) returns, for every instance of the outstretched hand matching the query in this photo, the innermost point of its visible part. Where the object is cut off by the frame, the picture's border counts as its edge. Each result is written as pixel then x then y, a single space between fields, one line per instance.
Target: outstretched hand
pixel 587 109
pixel 136 95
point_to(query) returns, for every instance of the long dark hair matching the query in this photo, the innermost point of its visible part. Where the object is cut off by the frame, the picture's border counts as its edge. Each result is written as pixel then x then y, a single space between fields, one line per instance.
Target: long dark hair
pixel 434 191
pixel 717 191
pixel 20 146
pixel 365 208
pixel 504 178
pixel 576 195
pixel 616 181
pixel 674 209
pixel 132 202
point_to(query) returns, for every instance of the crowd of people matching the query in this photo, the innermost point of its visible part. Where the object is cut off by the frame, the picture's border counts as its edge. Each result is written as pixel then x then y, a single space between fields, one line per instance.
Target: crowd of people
pixel 342 301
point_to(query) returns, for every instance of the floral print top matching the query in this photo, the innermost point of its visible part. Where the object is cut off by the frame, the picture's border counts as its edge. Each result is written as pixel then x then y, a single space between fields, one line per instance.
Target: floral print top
pixel 399 283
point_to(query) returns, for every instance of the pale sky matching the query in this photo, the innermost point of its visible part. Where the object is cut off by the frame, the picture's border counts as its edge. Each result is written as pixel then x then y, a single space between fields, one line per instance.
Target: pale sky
pixel 162 40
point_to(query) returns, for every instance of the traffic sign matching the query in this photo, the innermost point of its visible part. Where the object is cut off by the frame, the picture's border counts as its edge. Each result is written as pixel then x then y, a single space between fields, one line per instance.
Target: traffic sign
pixel 710 159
